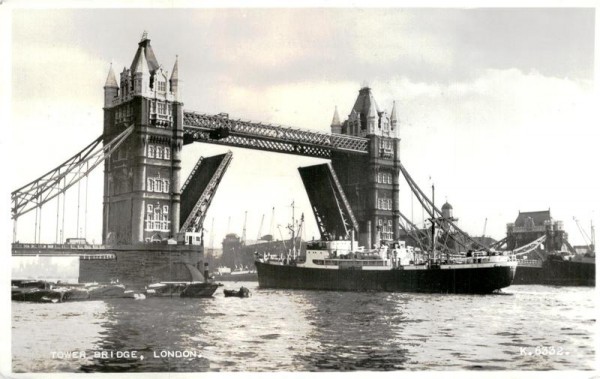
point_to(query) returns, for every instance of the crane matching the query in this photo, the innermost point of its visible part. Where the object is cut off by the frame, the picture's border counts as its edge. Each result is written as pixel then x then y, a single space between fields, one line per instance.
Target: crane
pixel 299 234
pixel 281 234
pixel 260 227
pixel 484 228
pixel 212 235
pixel 243 240
pixel 271 226
pixel 590 241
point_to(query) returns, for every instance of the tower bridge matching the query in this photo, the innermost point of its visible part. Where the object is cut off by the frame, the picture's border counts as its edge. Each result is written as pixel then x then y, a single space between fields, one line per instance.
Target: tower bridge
pixel 145 204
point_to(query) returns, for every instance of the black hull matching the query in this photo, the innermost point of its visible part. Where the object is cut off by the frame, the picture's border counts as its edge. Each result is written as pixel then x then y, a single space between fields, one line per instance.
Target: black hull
pixel 558 273
pixel 199 290
pixel 184 290
pixel 463 280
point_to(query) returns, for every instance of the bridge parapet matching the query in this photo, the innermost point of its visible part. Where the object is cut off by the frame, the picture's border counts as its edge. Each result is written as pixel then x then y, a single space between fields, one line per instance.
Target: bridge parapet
pixel 58 249
pixel 57 246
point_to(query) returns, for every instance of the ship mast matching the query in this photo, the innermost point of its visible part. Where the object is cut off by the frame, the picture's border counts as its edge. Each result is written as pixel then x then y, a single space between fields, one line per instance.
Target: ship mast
pixel 593 231
pixel 430 208
pixel 433 223
pixel 293 232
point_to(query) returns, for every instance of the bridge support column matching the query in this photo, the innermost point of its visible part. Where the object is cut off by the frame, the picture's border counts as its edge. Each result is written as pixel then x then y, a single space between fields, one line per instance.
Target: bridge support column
pixel 176 147
pixel 368 233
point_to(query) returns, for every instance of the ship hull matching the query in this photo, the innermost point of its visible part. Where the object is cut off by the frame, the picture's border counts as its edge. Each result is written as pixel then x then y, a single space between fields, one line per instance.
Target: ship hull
pixel 558 273
pixel 479 280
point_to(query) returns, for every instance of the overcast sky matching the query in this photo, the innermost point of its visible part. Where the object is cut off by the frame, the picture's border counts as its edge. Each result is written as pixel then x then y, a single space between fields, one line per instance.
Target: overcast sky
pixel 496 105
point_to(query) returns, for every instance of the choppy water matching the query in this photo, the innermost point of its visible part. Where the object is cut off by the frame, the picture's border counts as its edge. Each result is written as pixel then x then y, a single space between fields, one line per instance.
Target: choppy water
pixel 284 330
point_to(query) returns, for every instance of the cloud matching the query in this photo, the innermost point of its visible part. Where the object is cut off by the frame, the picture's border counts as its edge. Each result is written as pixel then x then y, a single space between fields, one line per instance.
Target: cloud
pixel 59 71
pixel 503 142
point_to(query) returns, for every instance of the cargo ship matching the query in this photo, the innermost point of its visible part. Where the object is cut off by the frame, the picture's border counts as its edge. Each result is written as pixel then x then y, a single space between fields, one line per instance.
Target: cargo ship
pixel 335 265
pixel 555 262
pixel 559 269
pixel 338 264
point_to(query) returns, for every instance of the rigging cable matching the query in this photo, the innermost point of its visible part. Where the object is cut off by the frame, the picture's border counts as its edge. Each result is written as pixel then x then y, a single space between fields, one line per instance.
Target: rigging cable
pixel 434 209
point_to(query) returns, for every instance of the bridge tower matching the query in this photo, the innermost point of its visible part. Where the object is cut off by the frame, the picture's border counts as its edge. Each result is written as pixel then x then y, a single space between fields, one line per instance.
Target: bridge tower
pixel 371 182
pixel 142 178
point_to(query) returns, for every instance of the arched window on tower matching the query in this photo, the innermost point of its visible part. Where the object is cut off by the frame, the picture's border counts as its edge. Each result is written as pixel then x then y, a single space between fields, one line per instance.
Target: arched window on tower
pixel 157 217
pixel 159 152
pixel 150 151
pixel 167 152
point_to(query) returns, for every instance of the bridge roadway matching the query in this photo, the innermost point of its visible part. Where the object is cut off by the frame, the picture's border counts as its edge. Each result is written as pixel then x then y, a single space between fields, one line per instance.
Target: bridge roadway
pixel 220 129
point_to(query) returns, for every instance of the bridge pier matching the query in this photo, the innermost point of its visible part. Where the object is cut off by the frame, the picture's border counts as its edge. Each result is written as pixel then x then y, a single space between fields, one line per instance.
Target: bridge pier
pixel 132 265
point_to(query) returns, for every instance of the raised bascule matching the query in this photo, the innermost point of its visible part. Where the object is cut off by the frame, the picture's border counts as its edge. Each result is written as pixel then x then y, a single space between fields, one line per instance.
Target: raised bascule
pixel 151 219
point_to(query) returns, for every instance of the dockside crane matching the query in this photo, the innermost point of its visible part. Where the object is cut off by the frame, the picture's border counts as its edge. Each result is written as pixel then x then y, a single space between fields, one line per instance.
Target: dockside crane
pixel 260 227
pixel 211 242
pixel 271 232
pixel 243 239
pixel 589 241
pixel 484 228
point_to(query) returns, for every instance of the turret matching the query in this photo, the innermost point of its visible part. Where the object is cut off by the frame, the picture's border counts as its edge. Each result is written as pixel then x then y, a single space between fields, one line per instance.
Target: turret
pixel 141 75
pixel 174 82
pixel 394 122
pixel 336 126
pixel 372 118
pixel 447 211
pixel 111 88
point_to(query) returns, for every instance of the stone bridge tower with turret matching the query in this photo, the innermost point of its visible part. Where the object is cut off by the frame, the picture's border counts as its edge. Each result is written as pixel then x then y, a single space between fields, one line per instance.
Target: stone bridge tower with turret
pixel 371 182
pixel 142 178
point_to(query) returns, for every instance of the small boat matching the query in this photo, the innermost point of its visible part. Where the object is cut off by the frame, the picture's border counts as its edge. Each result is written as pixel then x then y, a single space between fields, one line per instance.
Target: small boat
pixel 198 287
pixel 181 289
pixel 107 291
pixel 37 295
pixel 25 283
pixel 201 289
pixel 242 292
pixel 73 294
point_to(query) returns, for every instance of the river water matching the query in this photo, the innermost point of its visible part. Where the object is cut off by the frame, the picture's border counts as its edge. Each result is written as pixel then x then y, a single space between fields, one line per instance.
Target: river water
pixel 524 328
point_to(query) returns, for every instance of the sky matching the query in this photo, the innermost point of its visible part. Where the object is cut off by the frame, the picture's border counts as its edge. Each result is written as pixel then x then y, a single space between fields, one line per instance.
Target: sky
pixel 496 106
